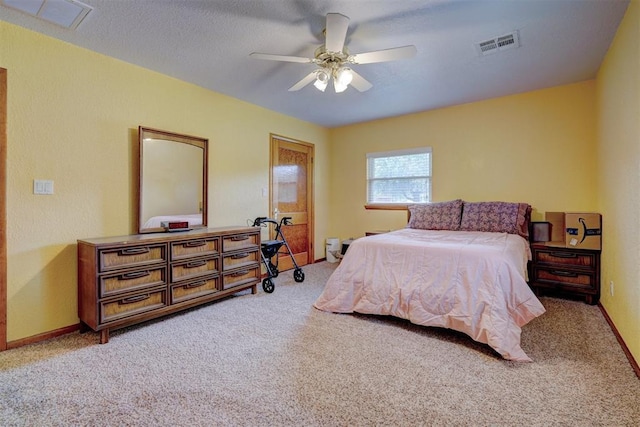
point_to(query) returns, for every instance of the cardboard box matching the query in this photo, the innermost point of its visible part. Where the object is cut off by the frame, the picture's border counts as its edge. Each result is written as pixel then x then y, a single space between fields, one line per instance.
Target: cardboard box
pixel 583 230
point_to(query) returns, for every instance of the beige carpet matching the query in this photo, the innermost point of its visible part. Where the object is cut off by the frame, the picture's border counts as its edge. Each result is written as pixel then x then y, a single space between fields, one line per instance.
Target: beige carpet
pixel 273 360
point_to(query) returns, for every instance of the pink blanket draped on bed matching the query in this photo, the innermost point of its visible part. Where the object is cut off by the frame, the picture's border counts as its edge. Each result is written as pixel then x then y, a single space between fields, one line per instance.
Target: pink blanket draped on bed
pixel 472 282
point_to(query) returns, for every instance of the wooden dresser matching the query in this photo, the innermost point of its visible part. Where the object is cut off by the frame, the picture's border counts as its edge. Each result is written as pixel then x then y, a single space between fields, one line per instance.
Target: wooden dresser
pixel 570 271
pixel 130 279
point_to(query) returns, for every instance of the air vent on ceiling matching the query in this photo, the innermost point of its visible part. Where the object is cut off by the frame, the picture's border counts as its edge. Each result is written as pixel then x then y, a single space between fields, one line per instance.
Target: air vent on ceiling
pixel 67 13
pixel 504 42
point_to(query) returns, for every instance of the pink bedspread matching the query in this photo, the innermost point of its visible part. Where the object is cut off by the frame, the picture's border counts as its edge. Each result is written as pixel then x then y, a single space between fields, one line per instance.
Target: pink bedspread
pixel 472 282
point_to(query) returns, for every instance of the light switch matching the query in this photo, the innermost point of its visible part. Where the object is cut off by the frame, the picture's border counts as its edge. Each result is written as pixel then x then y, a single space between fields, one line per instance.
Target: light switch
pixel 42 186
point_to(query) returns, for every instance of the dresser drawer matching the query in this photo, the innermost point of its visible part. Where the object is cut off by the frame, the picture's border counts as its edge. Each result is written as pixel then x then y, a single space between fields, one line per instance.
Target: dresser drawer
pixel 194 268
pixel 131 281
pixel 132 305
pixel 194 248
pixel 195 289
pixel 240 277
pixel 240 259
pixel 560 257
pixel 239 242
pixel 131 256
pixel 558 276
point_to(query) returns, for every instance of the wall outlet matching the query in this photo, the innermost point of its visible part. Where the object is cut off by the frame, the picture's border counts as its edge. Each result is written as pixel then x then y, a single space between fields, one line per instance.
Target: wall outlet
pixel 611 287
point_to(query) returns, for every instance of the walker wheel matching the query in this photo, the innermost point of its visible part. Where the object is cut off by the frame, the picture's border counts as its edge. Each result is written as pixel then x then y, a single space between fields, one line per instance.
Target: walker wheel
pixel 274 270
pixel 298 275
pixel 267 285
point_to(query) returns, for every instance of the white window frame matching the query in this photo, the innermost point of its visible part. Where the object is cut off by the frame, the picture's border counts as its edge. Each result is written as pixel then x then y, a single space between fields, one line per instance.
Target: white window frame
pixel 398 205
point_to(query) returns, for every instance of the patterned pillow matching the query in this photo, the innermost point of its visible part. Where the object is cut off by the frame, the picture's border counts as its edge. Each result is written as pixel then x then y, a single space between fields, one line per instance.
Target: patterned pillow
pixel 500 217
pixel 436 216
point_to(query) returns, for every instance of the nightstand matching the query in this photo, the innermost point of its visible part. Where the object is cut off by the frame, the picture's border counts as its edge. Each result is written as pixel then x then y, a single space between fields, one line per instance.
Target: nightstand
pixel 373 233
pixel 570 271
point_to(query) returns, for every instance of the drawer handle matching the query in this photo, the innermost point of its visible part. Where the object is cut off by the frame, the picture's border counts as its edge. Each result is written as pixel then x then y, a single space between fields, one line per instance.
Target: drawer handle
pixel 134 299
pixel 564 273
pixel 134 251
pixel 195 285
pixel 194 244
pixel 563 254
pixel 134 275
pixel 239 273
pixel 194 264
pixel 239 256
pixel 239 238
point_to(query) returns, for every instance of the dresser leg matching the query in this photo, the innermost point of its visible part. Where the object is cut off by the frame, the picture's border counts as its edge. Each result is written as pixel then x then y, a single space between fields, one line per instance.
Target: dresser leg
pixel 104 336
pixel 254 289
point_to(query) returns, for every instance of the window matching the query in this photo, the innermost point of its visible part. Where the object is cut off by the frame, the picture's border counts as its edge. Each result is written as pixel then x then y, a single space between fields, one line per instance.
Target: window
pixel 398 178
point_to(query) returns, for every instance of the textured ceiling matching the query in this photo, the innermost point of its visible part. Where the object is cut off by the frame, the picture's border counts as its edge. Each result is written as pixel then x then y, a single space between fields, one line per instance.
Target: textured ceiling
pixel 208 42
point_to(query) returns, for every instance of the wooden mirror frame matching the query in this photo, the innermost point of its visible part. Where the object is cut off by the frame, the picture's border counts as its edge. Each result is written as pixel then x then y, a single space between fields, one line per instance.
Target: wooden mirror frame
pixel 146 134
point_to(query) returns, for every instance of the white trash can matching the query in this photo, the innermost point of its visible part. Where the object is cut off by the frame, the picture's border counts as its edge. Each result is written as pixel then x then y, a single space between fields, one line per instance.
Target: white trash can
pixel 333 247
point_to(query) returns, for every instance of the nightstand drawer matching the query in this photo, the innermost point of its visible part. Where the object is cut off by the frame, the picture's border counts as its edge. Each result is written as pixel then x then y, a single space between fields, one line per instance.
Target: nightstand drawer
pixel 570 271
pixel 583 279
pixel 561 257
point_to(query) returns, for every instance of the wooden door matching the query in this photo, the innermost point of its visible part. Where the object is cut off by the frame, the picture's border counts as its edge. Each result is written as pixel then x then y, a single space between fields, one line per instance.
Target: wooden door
pixel 291 194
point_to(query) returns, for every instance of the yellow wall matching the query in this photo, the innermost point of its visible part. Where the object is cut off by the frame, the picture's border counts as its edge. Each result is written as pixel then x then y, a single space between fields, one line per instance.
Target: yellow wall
pixel 618 92
pixel 72 118
pixel 537 147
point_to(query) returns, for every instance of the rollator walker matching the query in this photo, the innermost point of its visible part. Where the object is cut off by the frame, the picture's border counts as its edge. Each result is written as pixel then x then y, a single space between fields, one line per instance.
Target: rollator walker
pixel 270 249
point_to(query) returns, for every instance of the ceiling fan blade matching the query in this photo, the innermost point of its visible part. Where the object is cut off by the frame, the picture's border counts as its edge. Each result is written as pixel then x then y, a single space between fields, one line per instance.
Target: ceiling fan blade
pixel 360 83
pixel 384 55
pixel 305 81
pixel 336 32
pixel 284 58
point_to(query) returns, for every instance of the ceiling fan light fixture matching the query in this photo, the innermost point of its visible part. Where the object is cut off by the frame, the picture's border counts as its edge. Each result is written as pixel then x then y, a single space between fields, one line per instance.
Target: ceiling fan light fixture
pixel 322 79
pixel 344 76
pixel 339 87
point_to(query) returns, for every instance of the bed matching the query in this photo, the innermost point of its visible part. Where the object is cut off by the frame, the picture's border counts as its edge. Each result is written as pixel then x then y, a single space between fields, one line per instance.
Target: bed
pixel 457 265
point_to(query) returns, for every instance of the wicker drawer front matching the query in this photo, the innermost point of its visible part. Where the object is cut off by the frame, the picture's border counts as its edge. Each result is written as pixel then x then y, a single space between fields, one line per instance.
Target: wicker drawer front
pixel 565 277
pixel 239 242
pixel 194 268
pixel 111 259
pixel 193 248
pixel 560 257
pixel 241 277
pixel 239 259
pixel 132 305
pixel 195 289
pixel 131 281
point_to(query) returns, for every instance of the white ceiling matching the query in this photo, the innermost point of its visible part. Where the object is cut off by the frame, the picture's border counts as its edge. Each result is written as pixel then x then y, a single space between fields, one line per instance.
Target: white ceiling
pixel 208 42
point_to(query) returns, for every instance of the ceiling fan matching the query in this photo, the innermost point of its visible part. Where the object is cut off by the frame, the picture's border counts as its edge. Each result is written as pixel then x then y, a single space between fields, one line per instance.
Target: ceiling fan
pixel 334 60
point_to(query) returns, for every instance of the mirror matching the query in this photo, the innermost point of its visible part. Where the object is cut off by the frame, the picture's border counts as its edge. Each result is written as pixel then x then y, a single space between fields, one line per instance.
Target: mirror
pixel 172 180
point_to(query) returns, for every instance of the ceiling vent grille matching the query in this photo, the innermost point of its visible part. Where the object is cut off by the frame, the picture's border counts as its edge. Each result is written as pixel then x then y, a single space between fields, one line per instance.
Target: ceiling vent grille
pixel 504 42
pixel 66 13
